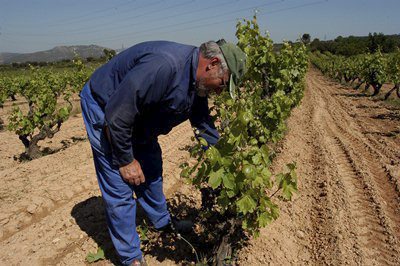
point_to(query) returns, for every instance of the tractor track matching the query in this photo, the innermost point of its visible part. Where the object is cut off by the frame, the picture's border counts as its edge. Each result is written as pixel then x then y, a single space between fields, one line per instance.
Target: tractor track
pixel 348 207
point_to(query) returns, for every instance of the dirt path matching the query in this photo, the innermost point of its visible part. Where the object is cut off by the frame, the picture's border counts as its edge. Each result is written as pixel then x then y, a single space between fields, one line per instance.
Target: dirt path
pixel 347 149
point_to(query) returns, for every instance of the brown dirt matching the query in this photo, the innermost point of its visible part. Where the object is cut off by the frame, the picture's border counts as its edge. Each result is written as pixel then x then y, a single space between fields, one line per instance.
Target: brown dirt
pixel 347 211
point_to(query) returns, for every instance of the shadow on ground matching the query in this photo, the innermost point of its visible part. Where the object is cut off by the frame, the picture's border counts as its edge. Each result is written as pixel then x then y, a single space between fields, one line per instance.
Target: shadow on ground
pixel 47 151
pixel 353 95
pixel 387 116
pixel 90 217
pixel 204 237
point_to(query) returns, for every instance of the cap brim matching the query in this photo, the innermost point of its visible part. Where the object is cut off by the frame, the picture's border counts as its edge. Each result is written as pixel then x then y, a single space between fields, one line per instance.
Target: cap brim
pixel 232 87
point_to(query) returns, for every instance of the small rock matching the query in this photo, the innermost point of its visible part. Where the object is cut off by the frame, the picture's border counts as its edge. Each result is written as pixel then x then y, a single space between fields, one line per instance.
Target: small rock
pixel 300 234
pixel 31 208
pixel 55 240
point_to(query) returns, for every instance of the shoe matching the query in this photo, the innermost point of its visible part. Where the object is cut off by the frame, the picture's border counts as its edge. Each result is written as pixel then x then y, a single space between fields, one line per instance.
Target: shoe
pixel 137 262
pixel 177 226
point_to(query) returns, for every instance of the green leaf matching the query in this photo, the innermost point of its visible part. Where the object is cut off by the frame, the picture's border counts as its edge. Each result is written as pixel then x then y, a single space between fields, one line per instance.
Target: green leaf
pixel 288 182
pixel 93 257
pixel 288 188
pixel 142 231
pixel 228 181
pixel 266 175
pixel 216 178
pixel 63 113
pixel 264 219
pixel 203 142
pixel 185 172
pixel 246 204
pixel 256 158
pixel 213 155
pixel 258 181
pixel 231 193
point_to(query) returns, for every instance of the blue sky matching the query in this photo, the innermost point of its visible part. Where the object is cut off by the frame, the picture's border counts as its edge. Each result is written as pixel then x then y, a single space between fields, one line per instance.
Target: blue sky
pixel 35 25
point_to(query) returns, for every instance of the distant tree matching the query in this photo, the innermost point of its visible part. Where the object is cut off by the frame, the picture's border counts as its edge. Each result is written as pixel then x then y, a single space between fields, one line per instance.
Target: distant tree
pixel 90 59
pixel 390 45
pixel 306 38
pixel 315 45
pixel 376 41
pixel 109 53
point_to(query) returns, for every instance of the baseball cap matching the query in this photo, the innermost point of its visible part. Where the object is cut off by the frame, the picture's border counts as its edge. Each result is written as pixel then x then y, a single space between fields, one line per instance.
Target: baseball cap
pixel 236 60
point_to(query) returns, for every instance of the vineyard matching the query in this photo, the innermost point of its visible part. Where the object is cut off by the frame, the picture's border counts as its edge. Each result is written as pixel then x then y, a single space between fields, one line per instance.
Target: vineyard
pixel 306 170
pixel 370 70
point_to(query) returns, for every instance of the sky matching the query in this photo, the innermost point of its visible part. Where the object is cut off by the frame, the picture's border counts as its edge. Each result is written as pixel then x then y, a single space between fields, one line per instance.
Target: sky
pixel 37 25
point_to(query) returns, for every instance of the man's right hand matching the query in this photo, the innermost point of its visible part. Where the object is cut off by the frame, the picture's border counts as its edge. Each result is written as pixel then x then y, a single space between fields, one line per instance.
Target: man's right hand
pixel 132 173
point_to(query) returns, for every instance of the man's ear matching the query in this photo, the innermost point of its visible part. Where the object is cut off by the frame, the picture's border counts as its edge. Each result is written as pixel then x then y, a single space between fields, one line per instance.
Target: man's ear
pixel 214 62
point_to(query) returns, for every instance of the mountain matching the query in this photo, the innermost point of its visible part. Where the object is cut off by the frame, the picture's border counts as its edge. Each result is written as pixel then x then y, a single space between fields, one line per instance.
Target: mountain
pixel 58 53
pixel 5 57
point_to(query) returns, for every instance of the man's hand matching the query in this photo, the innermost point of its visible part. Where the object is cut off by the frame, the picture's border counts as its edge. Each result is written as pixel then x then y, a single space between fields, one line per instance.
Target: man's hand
pixel 132 173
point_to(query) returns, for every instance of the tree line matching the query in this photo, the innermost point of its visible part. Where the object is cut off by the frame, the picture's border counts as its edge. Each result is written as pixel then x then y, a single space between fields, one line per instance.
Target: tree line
pixel 354 45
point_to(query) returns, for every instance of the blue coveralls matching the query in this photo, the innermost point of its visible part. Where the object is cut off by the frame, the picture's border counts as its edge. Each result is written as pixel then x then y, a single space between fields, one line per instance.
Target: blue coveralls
pixel 141 93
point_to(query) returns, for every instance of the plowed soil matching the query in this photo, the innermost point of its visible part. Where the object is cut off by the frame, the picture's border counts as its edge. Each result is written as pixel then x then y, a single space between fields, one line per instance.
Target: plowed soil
pixel 347 211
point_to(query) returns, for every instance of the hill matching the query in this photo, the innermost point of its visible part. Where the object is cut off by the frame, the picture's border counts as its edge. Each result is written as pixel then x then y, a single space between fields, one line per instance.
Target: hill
pixel 58 53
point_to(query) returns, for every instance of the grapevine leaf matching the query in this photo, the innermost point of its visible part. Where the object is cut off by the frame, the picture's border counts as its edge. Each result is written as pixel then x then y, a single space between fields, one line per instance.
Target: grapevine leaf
pixel 216 178
pixel 213 155
pixel 93 257
pixel 63 113
pixel 185 172
pixel 246 204
pixel 258 181
pixel 231 193
pixel 203 142
pixel 256 159
pixel 288 182
pixel 264 219
pixel 228 181
pixel 288 188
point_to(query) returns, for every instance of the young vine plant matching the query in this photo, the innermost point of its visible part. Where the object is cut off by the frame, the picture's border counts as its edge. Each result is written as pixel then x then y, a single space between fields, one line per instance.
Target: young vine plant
pixel 49 104
pixel 237 168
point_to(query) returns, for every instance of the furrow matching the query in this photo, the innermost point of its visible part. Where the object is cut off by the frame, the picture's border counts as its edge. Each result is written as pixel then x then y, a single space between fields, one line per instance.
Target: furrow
pixel 374 232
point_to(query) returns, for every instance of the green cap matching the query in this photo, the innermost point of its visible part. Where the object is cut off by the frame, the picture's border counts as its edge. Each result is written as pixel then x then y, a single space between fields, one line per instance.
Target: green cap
pixel 236 60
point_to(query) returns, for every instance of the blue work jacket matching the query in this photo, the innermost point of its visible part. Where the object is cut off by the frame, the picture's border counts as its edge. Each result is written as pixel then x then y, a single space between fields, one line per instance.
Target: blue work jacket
pixel 147 90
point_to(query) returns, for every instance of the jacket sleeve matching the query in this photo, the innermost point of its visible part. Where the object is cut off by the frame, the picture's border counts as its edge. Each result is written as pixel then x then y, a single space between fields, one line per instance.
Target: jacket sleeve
pixel 201 120
pixel 144 84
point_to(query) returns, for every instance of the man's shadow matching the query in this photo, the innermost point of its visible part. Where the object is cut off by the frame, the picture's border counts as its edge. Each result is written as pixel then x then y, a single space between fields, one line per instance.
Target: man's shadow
pixel 90 217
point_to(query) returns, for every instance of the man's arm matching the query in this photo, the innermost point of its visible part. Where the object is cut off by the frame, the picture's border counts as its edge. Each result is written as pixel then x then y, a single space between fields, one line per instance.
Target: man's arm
pixel 145 84
pixel 200 119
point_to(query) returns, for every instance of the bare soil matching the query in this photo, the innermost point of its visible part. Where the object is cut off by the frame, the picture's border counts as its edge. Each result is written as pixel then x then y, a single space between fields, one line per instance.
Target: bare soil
pixel 347 211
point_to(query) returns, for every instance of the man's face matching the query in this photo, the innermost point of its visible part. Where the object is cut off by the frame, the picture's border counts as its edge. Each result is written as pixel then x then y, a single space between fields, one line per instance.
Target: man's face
pixel 214 80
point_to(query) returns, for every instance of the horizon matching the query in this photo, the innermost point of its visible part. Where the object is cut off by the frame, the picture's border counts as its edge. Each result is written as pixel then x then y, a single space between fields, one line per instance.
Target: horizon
pixel 124 23
pixel 358 36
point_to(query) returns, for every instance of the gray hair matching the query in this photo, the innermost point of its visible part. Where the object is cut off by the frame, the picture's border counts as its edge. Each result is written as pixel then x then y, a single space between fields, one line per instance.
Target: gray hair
pixel 211 49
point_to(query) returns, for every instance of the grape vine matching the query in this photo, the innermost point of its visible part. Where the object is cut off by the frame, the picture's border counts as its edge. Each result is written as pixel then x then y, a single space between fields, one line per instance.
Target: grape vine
pixel 237 168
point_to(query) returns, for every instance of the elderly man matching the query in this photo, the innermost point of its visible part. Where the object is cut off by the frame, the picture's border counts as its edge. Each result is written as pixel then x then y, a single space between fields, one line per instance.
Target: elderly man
pixel 139 94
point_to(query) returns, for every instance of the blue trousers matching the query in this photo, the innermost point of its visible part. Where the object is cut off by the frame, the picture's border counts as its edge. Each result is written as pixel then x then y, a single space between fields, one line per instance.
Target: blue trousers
pixel 117 194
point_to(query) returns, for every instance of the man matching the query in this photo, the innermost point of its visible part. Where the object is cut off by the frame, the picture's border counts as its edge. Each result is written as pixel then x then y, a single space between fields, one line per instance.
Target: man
pixel 139 94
